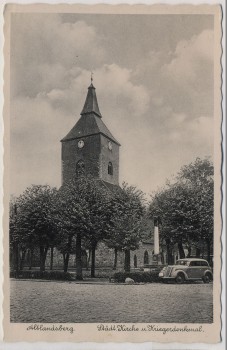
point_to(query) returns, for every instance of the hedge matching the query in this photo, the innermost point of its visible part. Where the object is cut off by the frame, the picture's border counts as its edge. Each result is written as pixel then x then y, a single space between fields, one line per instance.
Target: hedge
pixel 138 277
pixel 46 275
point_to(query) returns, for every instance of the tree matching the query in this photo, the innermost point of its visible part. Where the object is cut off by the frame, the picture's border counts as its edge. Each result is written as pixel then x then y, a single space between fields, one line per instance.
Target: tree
pixel 127 221
pixel 72 218
pixel 175 207
pixel 83 212
pixel 98 199
pixel 34 219
pixel 186 207
pixel 198 177
pixel 66 245
pixel 14 236
pixel 20 240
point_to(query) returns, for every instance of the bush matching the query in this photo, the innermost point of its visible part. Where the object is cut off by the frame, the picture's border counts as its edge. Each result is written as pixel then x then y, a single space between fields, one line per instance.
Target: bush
pixel 46 275
pixel 25 274
pixel 138 277
pixel 57 275
pixel 99 273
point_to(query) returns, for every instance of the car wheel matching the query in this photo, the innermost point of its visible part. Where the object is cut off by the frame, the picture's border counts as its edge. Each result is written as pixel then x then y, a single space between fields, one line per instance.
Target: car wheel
pixel 207 278
pixel 180 278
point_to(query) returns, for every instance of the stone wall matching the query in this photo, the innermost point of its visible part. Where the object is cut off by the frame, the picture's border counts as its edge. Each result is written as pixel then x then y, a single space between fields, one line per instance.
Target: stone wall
pixel 58 260
pixel 104 257
pixel 139 253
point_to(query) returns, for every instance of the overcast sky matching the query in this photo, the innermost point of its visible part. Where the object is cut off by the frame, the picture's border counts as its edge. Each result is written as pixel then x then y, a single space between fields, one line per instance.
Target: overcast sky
pixel 154 82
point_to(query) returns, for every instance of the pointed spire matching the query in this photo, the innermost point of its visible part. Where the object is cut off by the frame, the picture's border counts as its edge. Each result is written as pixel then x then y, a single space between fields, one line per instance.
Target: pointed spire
pixel 91 103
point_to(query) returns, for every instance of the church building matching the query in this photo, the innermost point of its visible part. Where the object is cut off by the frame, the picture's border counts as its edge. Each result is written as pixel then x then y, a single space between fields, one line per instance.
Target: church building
pixel 91 148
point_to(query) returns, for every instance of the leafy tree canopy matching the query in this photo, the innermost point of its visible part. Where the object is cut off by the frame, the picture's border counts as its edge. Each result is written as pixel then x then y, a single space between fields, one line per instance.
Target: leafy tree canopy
pixel 32 215
pixel 128 211
pixel 186 206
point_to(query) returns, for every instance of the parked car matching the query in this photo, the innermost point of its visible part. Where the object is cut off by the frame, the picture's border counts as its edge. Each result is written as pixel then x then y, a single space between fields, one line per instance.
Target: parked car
pixel 190 269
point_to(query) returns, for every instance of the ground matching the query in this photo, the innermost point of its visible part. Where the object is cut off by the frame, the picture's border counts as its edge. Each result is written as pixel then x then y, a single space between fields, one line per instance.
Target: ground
pixel 59 302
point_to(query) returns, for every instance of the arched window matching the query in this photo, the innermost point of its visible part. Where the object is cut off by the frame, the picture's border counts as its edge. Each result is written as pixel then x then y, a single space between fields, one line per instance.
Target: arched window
pixel 146 258
pixel 80 168
pixel 135 260
pixel 110 168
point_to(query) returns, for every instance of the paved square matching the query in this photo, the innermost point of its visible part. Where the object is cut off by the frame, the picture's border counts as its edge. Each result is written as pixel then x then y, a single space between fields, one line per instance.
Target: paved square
pixel 59 302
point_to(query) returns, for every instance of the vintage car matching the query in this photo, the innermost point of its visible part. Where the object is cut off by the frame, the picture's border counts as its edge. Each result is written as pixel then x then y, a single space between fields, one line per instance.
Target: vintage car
pixel 190 269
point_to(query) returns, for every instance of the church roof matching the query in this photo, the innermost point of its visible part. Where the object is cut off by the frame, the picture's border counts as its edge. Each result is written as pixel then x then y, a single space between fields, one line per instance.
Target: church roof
pixel 90 122
pixel 91 103
pixel 109 186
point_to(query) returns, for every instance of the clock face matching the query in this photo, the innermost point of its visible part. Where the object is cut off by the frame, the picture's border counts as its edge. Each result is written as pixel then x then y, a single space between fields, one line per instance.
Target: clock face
pixel 110 145
pixel 81 144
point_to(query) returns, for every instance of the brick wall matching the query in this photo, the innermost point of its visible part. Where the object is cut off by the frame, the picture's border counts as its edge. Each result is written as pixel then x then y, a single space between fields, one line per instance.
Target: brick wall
pixel 107 156
pixel 96 156
pixel 71 154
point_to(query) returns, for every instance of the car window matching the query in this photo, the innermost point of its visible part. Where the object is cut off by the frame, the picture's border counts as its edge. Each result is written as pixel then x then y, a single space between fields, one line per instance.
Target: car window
pixel 182 262
pixel 198 263
pixel 195 263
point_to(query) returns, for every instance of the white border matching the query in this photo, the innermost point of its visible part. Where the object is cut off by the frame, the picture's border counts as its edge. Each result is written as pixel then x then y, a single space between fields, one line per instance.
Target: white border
pixel 118 346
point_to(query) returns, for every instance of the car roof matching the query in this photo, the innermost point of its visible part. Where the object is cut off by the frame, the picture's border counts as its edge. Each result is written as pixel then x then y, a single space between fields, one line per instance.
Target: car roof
pixel 192 259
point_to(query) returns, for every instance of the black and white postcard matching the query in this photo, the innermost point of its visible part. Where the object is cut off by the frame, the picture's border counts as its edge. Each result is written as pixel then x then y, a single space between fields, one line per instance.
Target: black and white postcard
pixel 112 173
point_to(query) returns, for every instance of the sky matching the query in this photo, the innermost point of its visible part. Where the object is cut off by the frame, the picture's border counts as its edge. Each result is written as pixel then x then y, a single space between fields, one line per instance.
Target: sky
pixel 154 82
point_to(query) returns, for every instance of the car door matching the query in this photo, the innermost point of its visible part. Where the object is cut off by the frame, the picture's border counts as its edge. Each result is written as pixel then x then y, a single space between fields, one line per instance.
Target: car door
pixel 194 269
pixel 204 267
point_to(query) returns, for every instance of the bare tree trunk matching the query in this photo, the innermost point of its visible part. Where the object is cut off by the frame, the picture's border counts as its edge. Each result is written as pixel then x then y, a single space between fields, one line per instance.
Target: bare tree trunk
pixel 181 250
pixel 127 260
pixel 169 252
pixel 115 259
pixel 66 259
pixel 43 253
pixel 15 259
pixel 198 252
pixel 208 249
pixel 93 260
pixel 22 259
pixel 44 257
pixel 41 257
pixel 64 256
pixel 79 273
pixel 89 258
pixel 51 257
pixel 66 262
pixel 31 258
pixel 189 251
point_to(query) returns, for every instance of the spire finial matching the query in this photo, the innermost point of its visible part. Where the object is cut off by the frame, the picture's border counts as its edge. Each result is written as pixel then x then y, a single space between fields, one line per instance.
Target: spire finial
pixel 92 77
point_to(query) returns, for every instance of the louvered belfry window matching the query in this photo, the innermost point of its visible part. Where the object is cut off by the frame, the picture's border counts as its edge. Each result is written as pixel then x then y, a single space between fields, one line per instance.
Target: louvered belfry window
pixel 110 168
pixel 80 168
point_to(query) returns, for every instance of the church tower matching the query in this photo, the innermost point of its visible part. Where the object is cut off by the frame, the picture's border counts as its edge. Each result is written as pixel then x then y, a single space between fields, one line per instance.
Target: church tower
pixel 90 148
